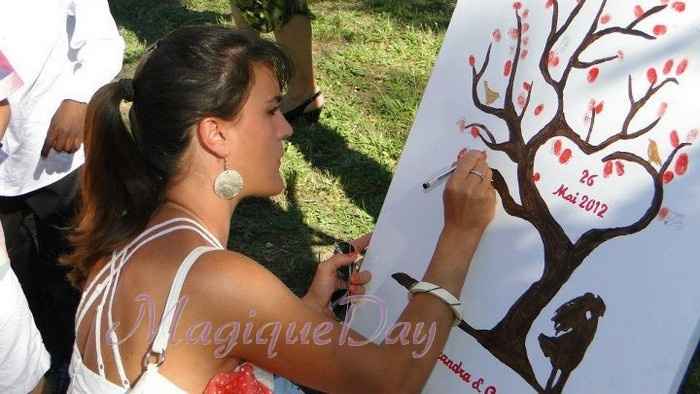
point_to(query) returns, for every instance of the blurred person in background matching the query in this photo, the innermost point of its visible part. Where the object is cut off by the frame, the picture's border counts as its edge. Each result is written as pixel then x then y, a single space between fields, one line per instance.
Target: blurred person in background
pixel 23 356
pixel 64 50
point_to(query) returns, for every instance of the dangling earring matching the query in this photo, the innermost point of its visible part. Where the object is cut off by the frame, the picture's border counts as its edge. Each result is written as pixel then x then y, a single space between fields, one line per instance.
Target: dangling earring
pixel 228 184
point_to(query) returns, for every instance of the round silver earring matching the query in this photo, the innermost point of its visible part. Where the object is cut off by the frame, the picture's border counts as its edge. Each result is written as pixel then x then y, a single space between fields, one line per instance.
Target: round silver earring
pixel 228 184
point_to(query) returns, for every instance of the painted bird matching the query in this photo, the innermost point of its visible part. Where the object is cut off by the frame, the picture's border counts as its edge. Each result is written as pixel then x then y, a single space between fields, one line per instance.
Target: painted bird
pixel 491 95
pixel 653 152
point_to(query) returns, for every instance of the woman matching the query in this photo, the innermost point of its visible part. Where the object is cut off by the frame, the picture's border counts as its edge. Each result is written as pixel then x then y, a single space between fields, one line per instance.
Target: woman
pixel 205 131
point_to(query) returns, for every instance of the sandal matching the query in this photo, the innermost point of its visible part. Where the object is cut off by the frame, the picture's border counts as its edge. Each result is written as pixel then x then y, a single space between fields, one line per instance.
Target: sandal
pixel 298 112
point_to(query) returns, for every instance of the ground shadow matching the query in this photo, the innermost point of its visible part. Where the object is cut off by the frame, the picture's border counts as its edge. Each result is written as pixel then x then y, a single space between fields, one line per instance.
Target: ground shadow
pixel 421 13
pixel 278 239
pixel 151 19
pixel 364 181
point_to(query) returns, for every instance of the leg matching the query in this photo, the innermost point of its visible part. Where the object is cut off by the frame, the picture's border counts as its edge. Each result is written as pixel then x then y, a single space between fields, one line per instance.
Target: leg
pixel 53 207
pixel 295 37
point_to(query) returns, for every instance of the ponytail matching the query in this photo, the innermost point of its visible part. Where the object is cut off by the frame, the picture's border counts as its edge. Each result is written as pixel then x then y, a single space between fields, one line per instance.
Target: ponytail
pixel 119 191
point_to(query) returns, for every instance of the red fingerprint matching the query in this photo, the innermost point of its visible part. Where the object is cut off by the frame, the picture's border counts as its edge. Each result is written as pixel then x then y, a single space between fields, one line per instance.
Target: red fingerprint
pixel 605 19
pixel 472 60
pixel 668 67
pixel 553 59
pixel 521 100
pixel 668 176
pixel 593 74
pixel 659 30
pixel 539 109
pixel 496 35
pixel 692 136
pixel 607 169
pixel 651 75
pixel 682 164
pixel 475 132
pixel 517 5
pixel 599 107
pixel 662 109
pixel 549 4
pixel 461 124
pixel 620 168
pixel 638 11
pixel 536 177
pixel 565 156
pixel 526 40
pixel 524 54
pixel 621 55
pixel 557 147
pixel 682 66
pixel 514 33
pixel 679 6
pixel 526 13
pixel 675 141
pixel 507 68
pixel 663 213
pixel 527 86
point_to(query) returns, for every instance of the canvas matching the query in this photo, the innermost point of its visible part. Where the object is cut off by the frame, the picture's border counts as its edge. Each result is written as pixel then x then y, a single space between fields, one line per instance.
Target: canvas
pixel 586 281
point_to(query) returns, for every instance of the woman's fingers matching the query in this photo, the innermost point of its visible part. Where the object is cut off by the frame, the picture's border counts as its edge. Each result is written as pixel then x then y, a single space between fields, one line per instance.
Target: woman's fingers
pixel 361 243
pixel 360 278
pixel 338 260
pixel 357 290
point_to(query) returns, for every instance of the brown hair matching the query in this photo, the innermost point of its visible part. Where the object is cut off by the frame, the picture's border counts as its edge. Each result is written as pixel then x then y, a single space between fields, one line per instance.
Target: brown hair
pixel 192 73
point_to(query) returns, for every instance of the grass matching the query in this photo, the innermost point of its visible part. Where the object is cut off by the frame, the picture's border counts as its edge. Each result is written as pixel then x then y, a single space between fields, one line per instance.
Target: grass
pixel 373 59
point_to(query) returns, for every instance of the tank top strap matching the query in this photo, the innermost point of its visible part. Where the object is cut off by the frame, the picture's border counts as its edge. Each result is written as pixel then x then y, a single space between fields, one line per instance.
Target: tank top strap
pixel 160 343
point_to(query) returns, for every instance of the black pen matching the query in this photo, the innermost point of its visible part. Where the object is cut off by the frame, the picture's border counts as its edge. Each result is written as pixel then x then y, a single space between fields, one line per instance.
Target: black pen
pixel 440 175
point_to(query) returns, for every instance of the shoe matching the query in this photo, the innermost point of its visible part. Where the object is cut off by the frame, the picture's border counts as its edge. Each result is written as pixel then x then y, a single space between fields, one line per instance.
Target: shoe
pixel 298 112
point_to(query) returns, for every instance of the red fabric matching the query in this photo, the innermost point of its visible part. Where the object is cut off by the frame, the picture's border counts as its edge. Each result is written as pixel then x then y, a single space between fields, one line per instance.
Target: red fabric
pixel 242 380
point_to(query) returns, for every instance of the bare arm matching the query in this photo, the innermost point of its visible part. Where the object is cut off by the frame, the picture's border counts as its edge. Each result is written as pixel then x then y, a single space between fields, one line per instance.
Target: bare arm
pixel 330 358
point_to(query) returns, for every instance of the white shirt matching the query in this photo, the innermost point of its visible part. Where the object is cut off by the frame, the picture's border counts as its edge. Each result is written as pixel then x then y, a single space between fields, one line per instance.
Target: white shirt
pixel 23 356
pixel 62 49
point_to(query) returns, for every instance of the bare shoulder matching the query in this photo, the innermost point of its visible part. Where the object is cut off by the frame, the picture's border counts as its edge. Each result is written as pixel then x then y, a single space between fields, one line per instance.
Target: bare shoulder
pixel 227 278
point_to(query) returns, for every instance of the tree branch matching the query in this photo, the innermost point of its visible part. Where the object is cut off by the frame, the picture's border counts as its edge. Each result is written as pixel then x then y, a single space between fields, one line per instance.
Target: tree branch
pixel 629 31
pixel 590 129
pixel 509 204
pixel 476 77
pixel 527 101
pixel 638 105
pixel 583 65
pixel 572 16
pixel 585 43
pixel 670 158
pixel 482 127
pixel 647 14
pixel 508 103
pixel 624 133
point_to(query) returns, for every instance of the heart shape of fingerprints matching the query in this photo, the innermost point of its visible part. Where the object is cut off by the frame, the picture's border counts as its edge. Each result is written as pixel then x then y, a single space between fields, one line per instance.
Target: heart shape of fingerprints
pixel 585 192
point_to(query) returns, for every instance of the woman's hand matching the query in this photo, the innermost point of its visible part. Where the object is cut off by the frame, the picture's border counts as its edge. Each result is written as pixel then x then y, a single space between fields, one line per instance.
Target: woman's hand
pixel 326 280
pixel 469 198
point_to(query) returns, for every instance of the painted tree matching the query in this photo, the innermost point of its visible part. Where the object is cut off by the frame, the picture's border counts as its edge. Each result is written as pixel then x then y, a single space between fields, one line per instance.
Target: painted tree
pixel 562 256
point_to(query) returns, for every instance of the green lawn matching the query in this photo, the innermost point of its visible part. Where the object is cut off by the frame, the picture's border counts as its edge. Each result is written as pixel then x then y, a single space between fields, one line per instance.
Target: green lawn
pixel 373 59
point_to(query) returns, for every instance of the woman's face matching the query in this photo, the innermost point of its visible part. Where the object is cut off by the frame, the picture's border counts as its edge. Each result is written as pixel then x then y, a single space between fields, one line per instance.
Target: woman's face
pixel 257 136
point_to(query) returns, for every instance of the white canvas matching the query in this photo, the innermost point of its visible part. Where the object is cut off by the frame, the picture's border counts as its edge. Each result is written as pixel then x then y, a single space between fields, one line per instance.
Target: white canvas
pixel 643 287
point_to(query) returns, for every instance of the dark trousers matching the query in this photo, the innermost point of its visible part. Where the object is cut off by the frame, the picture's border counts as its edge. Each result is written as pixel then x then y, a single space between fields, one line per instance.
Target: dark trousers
pixel 36 226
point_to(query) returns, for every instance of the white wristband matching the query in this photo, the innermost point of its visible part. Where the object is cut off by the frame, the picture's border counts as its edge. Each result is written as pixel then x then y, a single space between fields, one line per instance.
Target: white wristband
pixel 444 295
